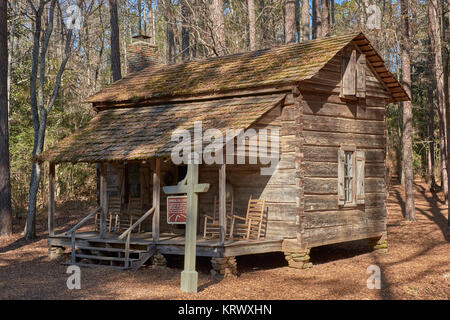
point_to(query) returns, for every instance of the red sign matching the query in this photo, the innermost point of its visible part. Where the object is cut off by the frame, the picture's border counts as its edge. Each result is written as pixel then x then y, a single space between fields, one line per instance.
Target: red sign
pixel 176 209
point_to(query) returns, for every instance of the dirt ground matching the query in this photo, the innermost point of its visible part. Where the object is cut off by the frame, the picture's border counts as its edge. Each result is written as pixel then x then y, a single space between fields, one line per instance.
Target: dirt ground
pixel 417 266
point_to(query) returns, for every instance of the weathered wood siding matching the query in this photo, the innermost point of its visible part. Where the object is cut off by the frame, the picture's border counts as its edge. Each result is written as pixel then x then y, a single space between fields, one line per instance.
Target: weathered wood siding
pixel 330 122
pixel 280 189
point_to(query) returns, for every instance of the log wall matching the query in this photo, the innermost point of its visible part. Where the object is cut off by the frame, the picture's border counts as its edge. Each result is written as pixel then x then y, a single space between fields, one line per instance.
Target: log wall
pixel 280 189
pixel 329 122
pixel 301 195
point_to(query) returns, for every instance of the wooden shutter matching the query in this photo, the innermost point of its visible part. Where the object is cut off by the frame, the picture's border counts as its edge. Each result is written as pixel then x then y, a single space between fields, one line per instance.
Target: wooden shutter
pixel 341 190
pixel 348 85
pixel 361 75
pixel 360 176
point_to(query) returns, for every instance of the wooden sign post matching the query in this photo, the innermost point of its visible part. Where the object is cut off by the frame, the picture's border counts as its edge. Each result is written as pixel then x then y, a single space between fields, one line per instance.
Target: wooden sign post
pixel 189 186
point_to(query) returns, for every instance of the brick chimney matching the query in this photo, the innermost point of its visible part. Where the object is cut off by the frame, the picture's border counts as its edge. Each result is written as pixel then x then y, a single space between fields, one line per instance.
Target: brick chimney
pixel 141 54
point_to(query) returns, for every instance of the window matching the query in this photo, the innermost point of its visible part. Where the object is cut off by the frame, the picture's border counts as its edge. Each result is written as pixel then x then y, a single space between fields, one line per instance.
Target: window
pixel 351 176
pixel 348 176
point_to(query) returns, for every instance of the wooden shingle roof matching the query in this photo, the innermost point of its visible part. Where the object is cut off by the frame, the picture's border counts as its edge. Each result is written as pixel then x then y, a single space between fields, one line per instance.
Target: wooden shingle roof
pixel 143 128
pixel 145 132
pixel 284 65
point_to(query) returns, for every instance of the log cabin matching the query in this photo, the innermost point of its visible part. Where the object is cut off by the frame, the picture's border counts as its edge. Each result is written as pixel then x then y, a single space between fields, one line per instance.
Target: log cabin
pixel 326 100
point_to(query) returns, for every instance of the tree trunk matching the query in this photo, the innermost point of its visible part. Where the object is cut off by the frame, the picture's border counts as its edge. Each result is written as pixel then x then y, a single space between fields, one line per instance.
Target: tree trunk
pixel 290 22
pixel 325 18
pixel 218 22
pixel 151 22
pixel 407 115
pixel 139 7
pixel 398 147
pixel 305 20
pixel 431 180
pixel 12 42
pixel 445 60
pixel 31 214
pixel 332 15
pixel 262 25
pixel 298 28
pixel 364 17
pixel 169 32
pixel 252 24
pixel 5 186
pixel 115 42
pixel 40 109
pixel 315 19
pixel 30 227
pixel 436 45
pixel 185 36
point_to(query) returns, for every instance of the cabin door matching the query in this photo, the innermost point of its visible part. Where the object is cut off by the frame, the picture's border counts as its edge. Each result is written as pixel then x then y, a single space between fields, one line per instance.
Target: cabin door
pixel 138 183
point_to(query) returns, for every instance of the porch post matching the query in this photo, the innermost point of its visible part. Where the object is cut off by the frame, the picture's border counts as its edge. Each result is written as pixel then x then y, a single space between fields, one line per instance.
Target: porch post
pixel 51 199
pixel 156 199
pixel 103 200
pixel 222 203
pixel 190 186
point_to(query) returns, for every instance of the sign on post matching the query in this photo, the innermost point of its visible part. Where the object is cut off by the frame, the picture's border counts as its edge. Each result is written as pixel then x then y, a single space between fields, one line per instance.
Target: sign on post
pixel 176 209
pixel 190 187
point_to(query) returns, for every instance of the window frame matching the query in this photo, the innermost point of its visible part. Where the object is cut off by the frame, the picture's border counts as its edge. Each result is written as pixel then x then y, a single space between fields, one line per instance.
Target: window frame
pixel 350 149
pixel 352 177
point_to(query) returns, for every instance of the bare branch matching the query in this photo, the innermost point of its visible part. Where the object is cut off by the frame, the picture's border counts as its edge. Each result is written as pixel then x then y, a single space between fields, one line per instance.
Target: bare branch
pixel 62 67
pixel 43 54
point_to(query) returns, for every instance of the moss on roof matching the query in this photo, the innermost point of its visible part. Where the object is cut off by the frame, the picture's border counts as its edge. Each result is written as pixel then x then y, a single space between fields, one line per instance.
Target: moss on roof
pixel 282 65
pixel 145 132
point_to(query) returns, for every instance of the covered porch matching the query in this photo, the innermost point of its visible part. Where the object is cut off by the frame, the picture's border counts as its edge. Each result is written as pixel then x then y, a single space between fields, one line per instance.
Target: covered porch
pixel 132 148
pixel 174 244
pixel 150 231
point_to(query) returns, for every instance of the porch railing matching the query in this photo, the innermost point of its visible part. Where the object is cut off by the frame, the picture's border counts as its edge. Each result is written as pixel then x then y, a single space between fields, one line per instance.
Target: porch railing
pixel 73 230
pixel 127 233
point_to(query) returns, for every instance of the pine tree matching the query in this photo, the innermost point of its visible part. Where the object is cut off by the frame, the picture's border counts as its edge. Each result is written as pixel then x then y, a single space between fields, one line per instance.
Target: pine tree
pixel 407 115
pixel 115 41
pixel 5 186
pixel 290 21
pixel 252 24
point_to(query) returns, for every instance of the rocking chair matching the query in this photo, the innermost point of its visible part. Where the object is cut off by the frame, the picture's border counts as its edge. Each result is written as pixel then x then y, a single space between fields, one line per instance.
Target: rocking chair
pixel 250 227
pixel 211 225
pixel 112 219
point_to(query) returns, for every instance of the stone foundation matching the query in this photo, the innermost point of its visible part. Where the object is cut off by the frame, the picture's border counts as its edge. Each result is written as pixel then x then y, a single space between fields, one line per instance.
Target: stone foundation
pixel 378 244
pixel 298 259
pixel 224 267
pixel 159 261
pixel 55 252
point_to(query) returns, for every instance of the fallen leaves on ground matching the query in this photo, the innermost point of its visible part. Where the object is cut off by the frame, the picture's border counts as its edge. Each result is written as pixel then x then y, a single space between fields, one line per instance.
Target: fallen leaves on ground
pixel 417 266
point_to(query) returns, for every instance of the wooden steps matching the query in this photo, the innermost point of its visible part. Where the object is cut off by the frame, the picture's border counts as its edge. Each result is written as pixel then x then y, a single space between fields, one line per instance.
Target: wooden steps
pixel 90 265
pixel 110 253
pixel 105 249
pixel 105 258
